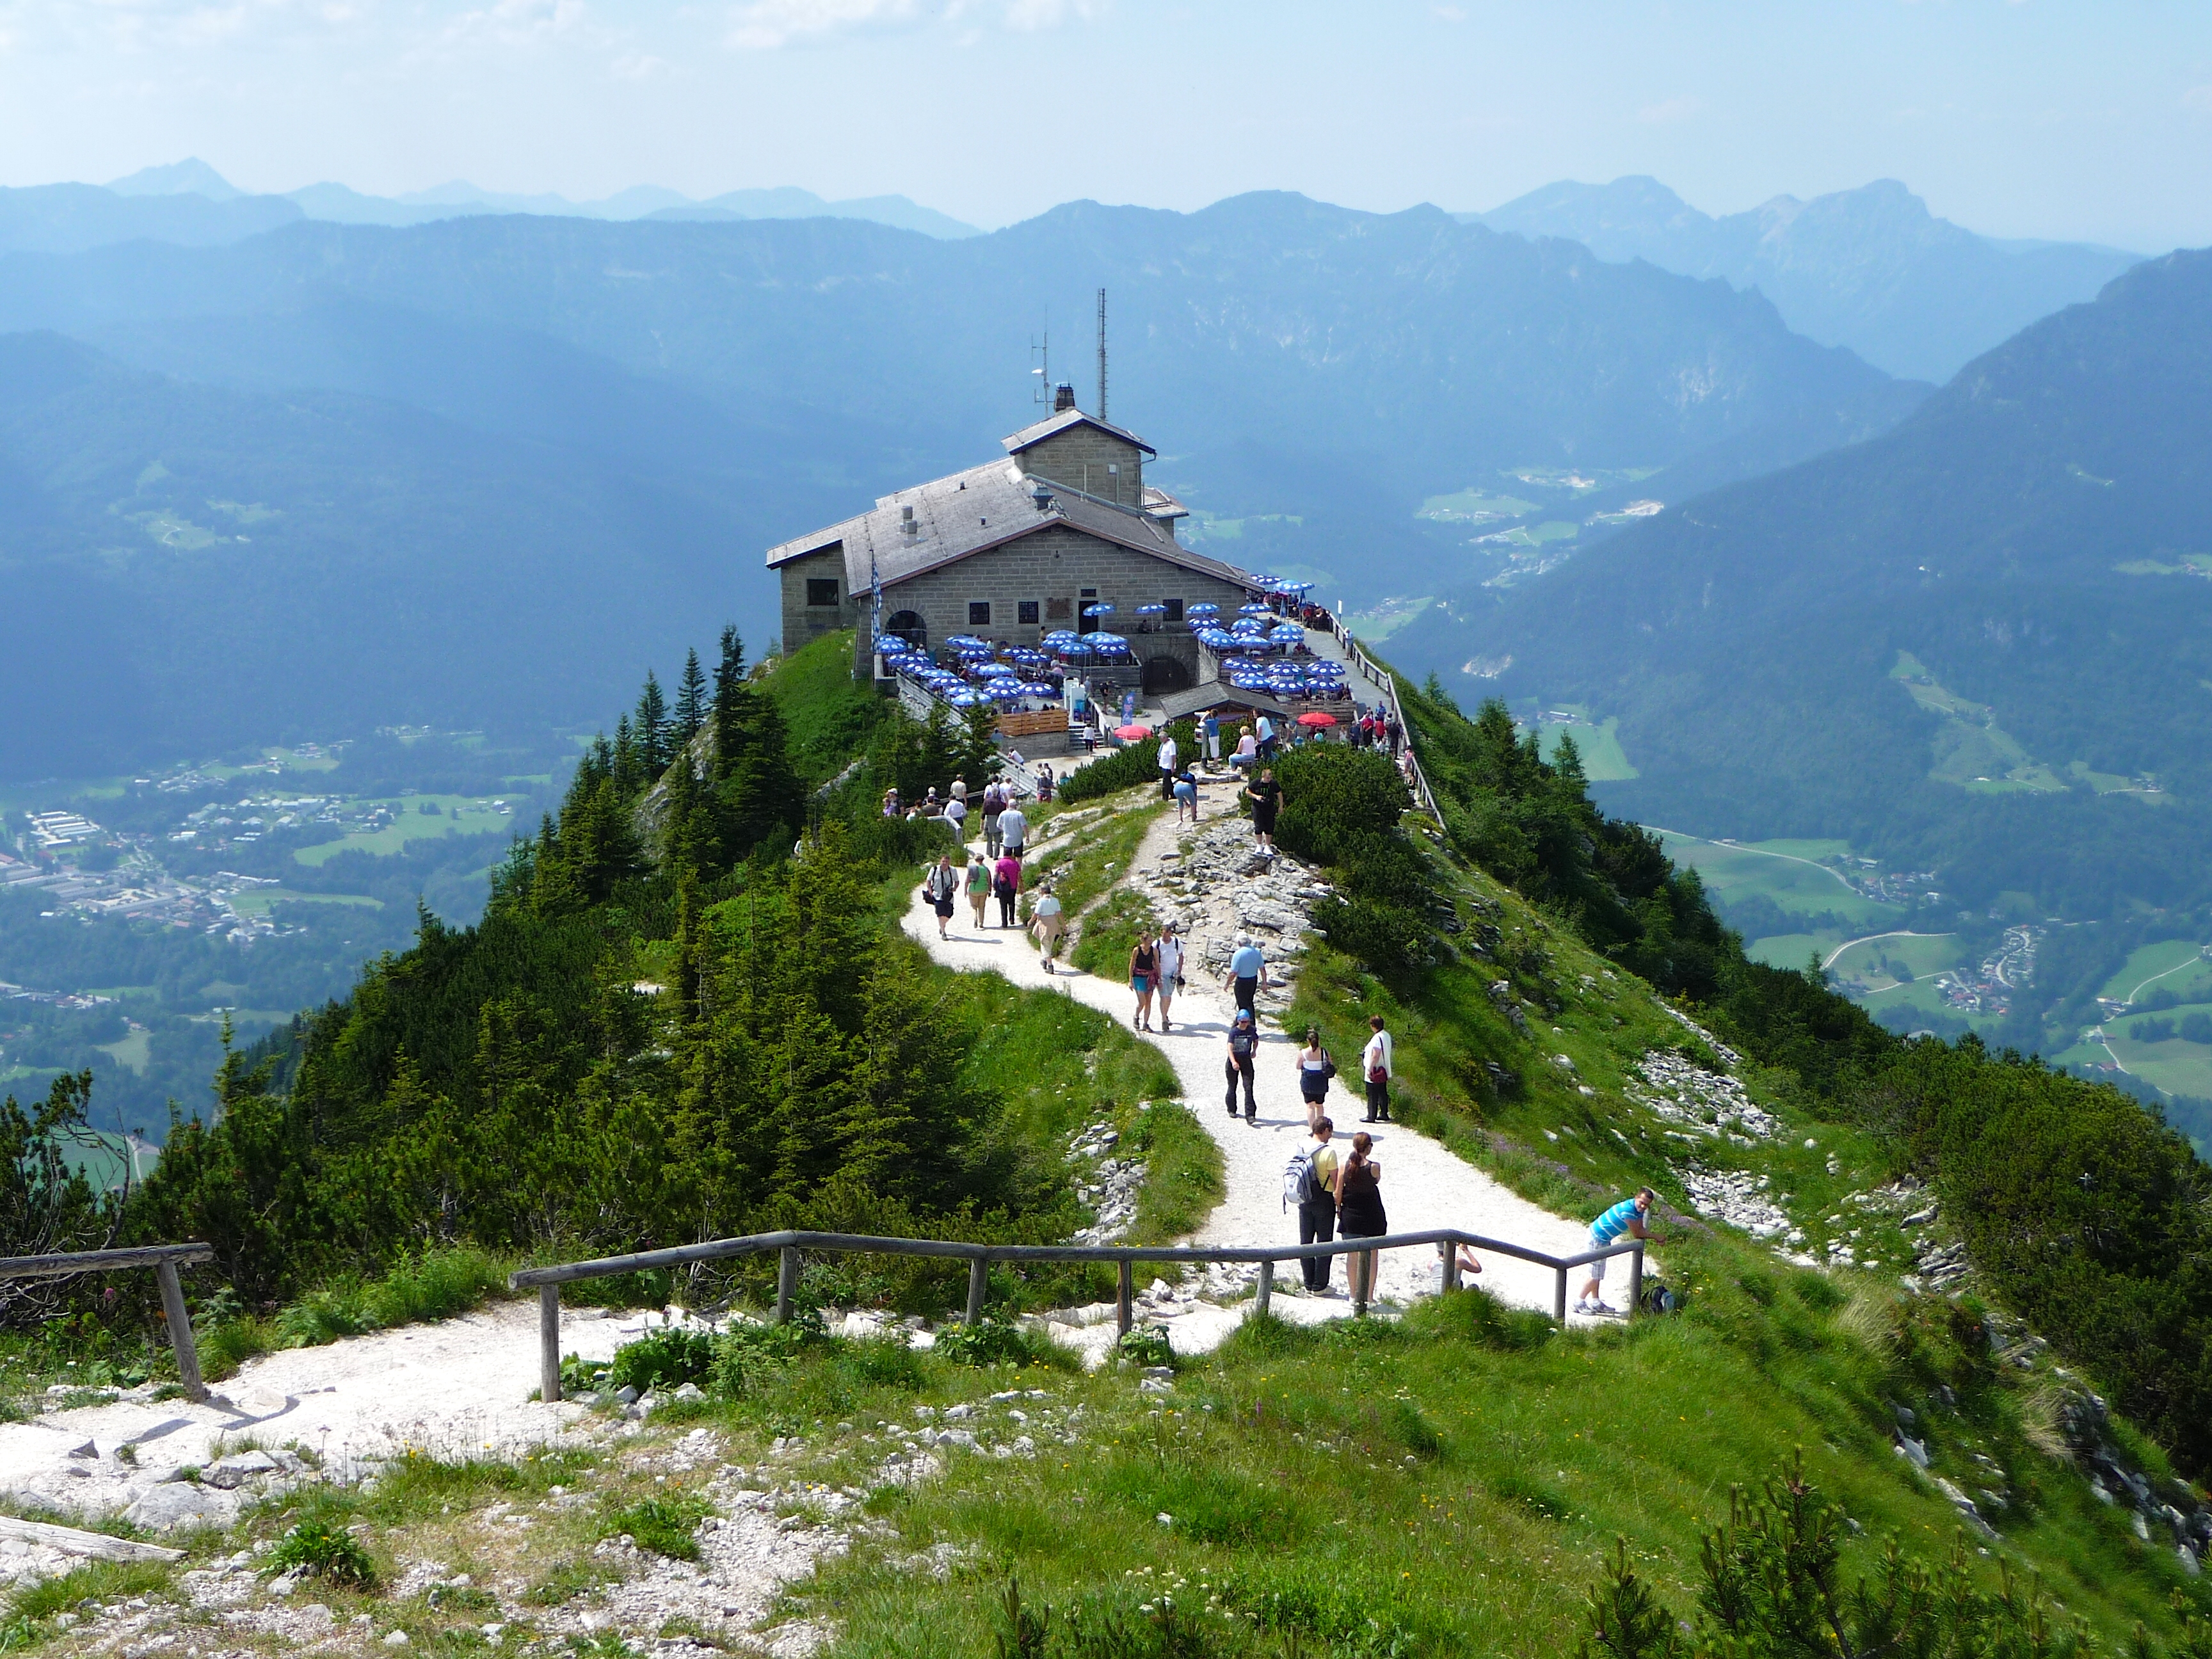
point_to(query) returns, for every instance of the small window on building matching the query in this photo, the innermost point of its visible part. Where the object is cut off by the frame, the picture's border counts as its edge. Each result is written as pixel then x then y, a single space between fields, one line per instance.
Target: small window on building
pixel 821 591
pixel 1059 609
pixel 978 613
pixel 1089 592
pixel 1025 612
pixel 1174 610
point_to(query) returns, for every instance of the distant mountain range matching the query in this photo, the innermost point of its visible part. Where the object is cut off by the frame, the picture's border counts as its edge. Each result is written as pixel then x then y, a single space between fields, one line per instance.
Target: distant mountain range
pixel 1981 642
pixel 568 422
pixel 191 204
pixel 1871 268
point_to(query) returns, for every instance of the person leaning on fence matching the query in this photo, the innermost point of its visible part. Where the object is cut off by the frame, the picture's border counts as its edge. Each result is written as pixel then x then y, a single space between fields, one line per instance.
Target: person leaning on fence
pixel 1309 1187
pixel 1359 1213
pixel 1243 1058
pixel 1629 1216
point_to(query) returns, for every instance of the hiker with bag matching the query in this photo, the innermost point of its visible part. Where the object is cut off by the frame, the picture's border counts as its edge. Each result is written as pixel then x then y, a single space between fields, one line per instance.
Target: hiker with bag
pixel 978 888
pixel 1007 883
pixel 994 803
pixel 1168 950
pixel 1308 1187
pixel 1359 1214
pixel 1243 1056
pixel 1047 926
pixel 1315 1069
pixel 1375 1061
pixel 940 886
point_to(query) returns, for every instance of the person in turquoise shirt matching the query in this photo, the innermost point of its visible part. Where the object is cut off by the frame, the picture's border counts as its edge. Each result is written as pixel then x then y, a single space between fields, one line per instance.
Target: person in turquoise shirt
pixel 1629 1216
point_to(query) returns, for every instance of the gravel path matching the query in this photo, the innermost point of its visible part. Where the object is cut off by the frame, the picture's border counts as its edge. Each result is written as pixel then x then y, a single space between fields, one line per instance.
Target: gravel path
pixel 1424 1185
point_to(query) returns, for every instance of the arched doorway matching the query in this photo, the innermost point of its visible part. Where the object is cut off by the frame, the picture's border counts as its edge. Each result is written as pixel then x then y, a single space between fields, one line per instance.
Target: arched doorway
pixel 1165 673
pixel 910 626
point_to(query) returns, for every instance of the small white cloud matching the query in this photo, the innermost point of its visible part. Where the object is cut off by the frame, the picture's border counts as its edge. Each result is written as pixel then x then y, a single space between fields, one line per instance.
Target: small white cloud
pixel 1029 15
pixel 1674 109
pixel 1449 13
pixel 637 66
pixel 765 24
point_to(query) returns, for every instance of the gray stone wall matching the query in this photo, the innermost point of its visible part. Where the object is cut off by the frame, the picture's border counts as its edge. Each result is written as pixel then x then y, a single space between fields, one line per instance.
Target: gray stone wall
pixel 1053 567
pixel 803 622
pixel 1078 458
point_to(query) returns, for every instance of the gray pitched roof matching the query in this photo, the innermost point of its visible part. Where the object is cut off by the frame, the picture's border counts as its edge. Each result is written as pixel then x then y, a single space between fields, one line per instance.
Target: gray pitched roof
pixel 983 508
pixel 1058 423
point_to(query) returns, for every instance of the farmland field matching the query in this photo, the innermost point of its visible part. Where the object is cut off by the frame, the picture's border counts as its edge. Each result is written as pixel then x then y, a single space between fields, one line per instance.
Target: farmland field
pixel 1786 872
pixel 1604 760
pixel 457 814
pixel 2158 967
pixel 258 901
pixel 1919 954
pixel 2176 1067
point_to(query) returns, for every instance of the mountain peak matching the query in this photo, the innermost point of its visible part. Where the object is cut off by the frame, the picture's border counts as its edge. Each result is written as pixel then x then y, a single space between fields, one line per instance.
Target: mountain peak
pixel 189 177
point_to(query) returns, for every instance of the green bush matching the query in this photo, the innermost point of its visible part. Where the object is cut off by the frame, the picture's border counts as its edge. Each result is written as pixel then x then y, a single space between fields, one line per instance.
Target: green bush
pixel 987 1342
pixel 1145 1345
pixel 322 1550
pixel 664 1358
pixel 747 1356
pixel 663 1525
pixel 1388 939
pixel 1127 767
pixel 1336 797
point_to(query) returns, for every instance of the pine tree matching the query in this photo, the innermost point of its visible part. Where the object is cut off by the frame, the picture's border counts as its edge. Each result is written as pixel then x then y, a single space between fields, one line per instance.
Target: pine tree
pixel 732 704
pixel 690 700
pixel 652 726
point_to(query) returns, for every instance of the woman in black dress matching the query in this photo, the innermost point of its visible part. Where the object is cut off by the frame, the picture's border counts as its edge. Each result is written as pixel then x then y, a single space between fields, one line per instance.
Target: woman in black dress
pixel 1144 976
pixel 1359 1213
pixel 1266 798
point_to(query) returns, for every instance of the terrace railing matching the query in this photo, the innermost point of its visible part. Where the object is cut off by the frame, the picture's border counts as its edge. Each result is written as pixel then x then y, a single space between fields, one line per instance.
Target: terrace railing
pixel 1387 682
pixel 789 1247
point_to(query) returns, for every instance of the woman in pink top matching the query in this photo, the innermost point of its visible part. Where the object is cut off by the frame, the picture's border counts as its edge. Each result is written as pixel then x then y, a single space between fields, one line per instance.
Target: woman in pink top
pixel 1007 884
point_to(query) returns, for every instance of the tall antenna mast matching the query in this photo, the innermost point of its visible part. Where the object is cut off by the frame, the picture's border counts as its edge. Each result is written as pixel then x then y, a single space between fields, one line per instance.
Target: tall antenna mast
pixel 1101 354
pixel 1040 352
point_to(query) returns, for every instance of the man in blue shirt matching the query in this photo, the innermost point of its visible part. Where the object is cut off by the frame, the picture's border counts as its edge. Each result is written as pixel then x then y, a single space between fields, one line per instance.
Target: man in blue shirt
pixel 1629 1216
pixel 1248 971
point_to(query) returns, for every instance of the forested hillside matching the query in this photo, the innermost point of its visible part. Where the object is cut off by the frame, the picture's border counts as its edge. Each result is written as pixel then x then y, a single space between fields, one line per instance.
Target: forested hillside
pixel 1974 644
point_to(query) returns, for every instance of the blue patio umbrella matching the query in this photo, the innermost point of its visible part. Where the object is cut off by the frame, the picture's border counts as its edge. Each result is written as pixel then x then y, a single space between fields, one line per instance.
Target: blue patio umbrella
pixel 1203 608
pixel 957 641
pixel 1039 689
pixel 1294 587
pixel 1287 634
pixel 1151 610
pixel 1255 609
pixel 997 670
pixel 1098 608
pixel 1103 639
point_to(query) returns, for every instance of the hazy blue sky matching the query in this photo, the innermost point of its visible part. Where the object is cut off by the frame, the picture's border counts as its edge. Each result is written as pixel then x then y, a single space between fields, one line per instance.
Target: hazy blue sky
pixel 2031 119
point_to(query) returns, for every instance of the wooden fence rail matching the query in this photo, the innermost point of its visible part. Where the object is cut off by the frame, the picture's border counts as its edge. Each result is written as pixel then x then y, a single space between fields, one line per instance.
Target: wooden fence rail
pixel 163 1259
pixel 789 1246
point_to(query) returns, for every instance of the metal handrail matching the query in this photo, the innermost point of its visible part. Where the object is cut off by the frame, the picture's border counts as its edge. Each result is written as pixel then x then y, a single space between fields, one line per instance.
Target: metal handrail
pixel 163 1259
pixel 788 1244
pixel 1382 677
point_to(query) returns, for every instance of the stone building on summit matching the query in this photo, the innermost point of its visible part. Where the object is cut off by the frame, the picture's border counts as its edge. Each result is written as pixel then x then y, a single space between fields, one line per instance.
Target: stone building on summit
pixel 1014 549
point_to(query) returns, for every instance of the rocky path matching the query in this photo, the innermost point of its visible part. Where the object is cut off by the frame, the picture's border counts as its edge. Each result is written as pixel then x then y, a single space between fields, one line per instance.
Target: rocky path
pixel 1424 1185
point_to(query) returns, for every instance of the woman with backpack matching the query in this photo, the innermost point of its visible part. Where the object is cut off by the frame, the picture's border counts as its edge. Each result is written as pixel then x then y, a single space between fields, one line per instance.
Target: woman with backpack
pixel 1243 1055
pixel 939 885
pixel 1144 975
pixel 1359 1213
pixel 1315 1069
pixel 979 888
pixel 1007 885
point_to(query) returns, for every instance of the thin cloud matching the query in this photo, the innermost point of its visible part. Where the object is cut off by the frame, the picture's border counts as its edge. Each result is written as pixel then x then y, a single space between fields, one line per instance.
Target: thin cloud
pixel 764 25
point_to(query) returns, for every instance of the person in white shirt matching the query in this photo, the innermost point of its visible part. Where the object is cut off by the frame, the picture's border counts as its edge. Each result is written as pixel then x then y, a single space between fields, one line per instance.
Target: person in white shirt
pixel 955 814
pixel 1014 829
pixel 1048 925
pixel 1167 767
pixel 1168 950
pixel 1375 1061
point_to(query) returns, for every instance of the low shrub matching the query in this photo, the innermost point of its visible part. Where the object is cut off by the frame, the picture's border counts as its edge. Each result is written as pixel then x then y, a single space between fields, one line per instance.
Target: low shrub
pixel 664 1358
pixel 321 1549
pixel 746 1357
pixel 1145 1345
pixel 663 1525
pixel 987 1342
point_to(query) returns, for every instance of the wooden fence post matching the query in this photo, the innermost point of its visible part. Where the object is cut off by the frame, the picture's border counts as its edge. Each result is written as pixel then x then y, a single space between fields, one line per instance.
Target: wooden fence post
pixel 549 1343
pixel 1636 1280
pixel 979 1269
pixel 181 1330
pixel 787 1281
pixel 1266 1285
pixel 1451 1265
pixel 1559 1297
pixel 1125 1298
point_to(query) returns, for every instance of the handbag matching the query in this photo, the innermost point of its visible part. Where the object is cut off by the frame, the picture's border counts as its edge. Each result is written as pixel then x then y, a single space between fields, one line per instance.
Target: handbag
pixel 1327 1064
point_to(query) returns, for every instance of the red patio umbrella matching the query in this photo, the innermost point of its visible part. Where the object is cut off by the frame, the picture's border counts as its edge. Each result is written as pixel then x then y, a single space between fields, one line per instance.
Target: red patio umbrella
pixel 1131 733
pixel 1316 717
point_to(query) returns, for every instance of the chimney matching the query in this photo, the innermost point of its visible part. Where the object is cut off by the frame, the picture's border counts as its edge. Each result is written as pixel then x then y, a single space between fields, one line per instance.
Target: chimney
pixel 1063 398
pixel 906 526
pixel 1041 493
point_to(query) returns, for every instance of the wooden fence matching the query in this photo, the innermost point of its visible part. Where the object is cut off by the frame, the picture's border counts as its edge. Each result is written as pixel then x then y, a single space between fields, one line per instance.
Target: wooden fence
pixel 164 1260
pixel 789 1247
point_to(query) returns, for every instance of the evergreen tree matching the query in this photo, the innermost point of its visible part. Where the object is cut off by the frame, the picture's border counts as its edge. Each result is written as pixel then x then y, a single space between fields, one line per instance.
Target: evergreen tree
pixel 690 700
pixel 733 701
pixel 652 726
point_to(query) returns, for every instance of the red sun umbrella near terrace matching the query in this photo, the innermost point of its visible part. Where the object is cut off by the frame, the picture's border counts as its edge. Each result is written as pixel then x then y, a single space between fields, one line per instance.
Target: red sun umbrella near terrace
pixel 1316 717
pixel 1131 733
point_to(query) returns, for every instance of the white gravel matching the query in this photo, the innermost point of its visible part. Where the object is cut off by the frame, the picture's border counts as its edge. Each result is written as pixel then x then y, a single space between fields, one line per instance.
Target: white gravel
pixel 1424 1185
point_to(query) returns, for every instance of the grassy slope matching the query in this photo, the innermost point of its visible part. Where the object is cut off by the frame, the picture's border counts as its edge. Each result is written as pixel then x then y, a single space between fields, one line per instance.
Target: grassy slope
pixel 1458 1478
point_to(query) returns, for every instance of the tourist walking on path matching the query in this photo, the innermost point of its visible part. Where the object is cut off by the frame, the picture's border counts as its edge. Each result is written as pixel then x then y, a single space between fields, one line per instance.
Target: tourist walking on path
pixel 1167 759
pixel 1266 798
pixel 1014 829
pixel 1629 1216
pixel 1359 1213
pixel 1210 729
pixel 1048 924
pixel 1313 1170
pixel 1007 883
pixel 955 814
pixel 942 884
pixel 1248 972
pixel 994 803
pixel 979 888
pixel 1169 947
pixel 1186 796
pixel 1315 1069
pixel 1243 1055
pixel 1144 974
pixel 1376 1065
